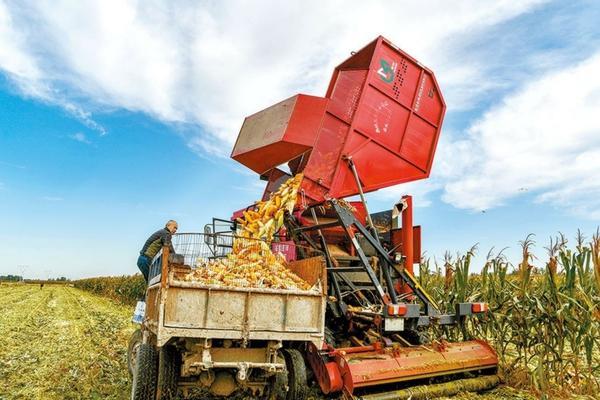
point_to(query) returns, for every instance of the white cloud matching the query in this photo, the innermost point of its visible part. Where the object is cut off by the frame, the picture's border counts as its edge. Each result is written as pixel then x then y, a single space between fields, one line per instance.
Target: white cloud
pixel 15 60
pixel 208 65
pixel 80 137
pixel 23 65
pixel 420 191
pixel 84 116
pixel 545 139
pixel 213 63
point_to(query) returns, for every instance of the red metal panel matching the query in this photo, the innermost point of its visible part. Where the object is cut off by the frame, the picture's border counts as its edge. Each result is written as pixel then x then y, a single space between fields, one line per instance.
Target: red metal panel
pixel 279 133
pixel 377 167
pixel 324 158
pixel 396 239
pixel 428 104
pixel 369 368
pixel 418 143
pixel 395 74
pixel 270 156
pixel 346 93
pixel 287 248
pixel 382 118
pixel 384 110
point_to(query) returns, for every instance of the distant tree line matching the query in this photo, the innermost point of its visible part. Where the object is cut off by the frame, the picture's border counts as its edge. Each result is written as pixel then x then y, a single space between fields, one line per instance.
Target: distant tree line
pixel 19 278
pixel 11 278
pixel 61 279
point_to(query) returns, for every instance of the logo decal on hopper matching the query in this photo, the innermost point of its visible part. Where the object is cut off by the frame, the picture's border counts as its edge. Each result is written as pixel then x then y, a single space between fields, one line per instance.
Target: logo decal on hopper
pixel 387 71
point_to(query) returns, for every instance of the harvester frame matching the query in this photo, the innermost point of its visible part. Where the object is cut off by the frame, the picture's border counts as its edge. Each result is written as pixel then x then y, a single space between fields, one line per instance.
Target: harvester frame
pixel 393 319
pixel 381 116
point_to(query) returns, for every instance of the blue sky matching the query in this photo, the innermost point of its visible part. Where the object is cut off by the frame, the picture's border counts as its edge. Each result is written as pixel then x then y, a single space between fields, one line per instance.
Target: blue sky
pixel 115 118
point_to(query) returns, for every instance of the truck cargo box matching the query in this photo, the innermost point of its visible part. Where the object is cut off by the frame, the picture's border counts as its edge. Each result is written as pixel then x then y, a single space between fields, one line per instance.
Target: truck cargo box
pixel 177 308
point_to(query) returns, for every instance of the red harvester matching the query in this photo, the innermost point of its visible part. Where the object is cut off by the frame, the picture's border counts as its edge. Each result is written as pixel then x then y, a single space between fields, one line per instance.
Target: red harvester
pixel 377 126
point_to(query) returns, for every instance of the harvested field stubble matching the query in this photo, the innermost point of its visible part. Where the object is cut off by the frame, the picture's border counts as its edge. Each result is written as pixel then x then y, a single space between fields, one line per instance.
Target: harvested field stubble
pixel 62 343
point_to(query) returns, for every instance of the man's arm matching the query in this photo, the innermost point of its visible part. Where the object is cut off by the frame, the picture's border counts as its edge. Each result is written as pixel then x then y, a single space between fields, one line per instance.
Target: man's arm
pixel 166 240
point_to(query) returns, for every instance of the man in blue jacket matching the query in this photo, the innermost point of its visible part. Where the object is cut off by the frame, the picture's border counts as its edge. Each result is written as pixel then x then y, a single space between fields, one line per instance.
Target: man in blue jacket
pixel 155 242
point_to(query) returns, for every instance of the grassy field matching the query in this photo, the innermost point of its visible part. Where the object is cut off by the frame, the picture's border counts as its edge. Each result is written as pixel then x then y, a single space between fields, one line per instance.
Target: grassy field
pixel 60 342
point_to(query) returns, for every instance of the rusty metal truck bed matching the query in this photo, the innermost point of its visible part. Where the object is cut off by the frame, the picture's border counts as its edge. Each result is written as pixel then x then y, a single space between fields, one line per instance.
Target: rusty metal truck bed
pixel 182 309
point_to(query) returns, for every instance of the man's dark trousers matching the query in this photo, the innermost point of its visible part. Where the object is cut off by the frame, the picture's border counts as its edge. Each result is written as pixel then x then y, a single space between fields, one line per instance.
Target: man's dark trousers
pixel 143 264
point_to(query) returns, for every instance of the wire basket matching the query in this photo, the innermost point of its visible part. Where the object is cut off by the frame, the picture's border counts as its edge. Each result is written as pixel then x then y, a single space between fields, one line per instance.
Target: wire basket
pixel 201 247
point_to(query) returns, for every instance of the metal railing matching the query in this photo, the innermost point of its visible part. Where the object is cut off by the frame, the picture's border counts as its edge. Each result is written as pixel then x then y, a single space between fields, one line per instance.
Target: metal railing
pixel 198 247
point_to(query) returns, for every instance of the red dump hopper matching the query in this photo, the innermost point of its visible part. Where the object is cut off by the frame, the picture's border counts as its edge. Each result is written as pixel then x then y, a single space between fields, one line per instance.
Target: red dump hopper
pixel 280 133
pixel 382 109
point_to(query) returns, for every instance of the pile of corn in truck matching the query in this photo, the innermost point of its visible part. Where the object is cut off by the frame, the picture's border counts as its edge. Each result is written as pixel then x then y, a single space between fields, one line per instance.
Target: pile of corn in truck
pixel 358 328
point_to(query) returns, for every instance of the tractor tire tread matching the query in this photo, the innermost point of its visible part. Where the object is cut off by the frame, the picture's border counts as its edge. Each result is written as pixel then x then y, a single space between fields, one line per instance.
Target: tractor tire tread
pixel 169 367
pixel 134 341
pixel 298 385
pixel 145 374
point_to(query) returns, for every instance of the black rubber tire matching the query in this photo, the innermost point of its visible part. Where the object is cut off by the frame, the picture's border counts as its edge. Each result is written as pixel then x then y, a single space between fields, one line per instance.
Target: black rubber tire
pixel 279 386
pixel 145 374
pixel 297 382
pixel 134 341
pixel 169 369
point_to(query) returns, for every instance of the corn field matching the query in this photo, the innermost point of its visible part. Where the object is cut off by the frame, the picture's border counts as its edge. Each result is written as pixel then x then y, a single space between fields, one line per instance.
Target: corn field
pixel 125 289
pixel 544 322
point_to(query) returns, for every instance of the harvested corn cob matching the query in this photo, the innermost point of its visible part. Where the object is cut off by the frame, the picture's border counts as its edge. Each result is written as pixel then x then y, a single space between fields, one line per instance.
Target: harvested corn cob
pixel 267 219
pixel 251 262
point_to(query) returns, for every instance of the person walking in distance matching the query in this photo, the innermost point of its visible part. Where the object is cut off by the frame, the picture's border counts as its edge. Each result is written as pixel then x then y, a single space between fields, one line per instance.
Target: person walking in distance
pixel 155 242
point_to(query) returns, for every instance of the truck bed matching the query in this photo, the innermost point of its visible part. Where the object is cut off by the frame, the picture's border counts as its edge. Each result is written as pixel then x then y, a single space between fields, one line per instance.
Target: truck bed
pixel 194 310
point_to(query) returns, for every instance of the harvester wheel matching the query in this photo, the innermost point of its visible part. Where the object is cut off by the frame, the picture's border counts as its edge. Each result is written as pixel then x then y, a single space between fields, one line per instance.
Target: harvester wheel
pixel 297 383
pixel 145 373
pixel 134 342
pixel 169 367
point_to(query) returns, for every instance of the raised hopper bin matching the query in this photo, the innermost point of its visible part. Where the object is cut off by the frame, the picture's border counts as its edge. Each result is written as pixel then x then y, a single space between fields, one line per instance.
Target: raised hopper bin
pixel 383 110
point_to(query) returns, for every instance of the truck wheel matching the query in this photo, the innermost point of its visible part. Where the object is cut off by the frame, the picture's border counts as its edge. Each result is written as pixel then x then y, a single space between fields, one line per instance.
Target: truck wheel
pixel 297 383
pixel 145 373
pixel 169 367
pixel 134 342
pixel 279 386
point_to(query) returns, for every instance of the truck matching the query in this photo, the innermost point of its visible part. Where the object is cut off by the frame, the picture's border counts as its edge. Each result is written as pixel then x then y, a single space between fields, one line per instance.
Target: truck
pixel 196 337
